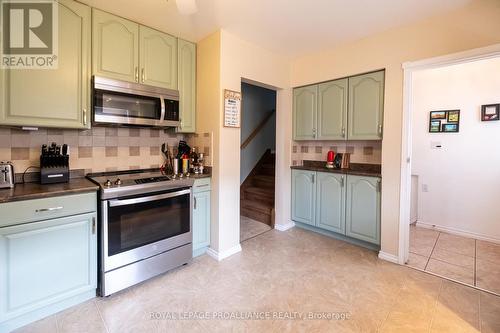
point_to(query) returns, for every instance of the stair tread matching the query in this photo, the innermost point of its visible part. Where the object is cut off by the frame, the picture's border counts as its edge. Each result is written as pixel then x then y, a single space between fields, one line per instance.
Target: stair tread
pixel 260 190
pixel 264 178
pixel 258 206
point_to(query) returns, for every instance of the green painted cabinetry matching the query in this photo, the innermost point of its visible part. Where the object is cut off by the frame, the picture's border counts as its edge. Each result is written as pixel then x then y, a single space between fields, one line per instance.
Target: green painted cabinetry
pixel 344 204
pixel 330 202
pixel 363 208
pixel 125 50
pixel 344 109
pixel 366 105
pixel 157 58
pixel 48 263
pixel 201 216
pixel 332 110
pixel 304 196
pixel 115 47
pixel 53 97
pixel 305 102
pixel 186 59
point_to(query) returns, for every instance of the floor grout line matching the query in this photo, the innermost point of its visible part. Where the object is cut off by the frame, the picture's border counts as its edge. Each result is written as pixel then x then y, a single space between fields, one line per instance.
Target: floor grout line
pixel 441 287
pixel 432 251
pixel 475 262
pixel 100 315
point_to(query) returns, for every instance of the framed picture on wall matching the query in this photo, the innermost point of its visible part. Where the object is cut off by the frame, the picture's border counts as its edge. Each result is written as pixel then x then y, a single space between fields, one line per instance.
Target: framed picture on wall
pixel 450 128
pixel 446 121
pixel 490 112
pixel 435 126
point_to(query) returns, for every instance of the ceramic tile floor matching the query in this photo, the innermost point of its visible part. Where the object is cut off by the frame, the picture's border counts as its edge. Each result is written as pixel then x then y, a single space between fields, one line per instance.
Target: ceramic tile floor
pixel 250 228
pixel 466 260
pixel 295 271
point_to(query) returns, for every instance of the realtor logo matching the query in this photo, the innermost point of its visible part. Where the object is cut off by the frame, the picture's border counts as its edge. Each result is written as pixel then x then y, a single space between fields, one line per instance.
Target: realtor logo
pixel 29 38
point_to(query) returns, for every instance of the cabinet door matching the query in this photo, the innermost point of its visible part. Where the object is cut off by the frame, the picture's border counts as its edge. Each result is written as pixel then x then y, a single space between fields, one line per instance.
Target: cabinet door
pixel 115 47
pixel 158 58
pixel 53 97
pixel 363 208
pixel 304 112
pixel 303 196
pixel 330 202
pixel 366 106
pixel 46 262
pixel 186 58
pixel 332 110
pixel 201 220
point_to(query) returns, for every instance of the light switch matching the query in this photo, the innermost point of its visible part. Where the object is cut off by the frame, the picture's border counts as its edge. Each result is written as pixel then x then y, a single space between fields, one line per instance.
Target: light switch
pixel 425 188
pixel 436 145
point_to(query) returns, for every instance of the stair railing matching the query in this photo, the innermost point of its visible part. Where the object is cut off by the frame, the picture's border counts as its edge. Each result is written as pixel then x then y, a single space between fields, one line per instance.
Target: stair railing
pixel 257 130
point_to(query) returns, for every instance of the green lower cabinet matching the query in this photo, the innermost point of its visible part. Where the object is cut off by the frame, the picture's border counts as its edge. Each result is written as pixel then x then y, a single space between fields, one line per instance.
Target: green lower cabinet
pixel 330 202
pixel 201 216
pixel 303 196
pixel 46 267
pixel 363 208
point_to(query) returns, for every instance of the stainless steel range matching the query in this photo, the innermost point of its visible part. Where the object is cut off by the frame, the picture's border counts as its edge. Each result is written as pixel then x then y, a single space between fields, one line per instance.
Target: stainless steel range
pixel 145 226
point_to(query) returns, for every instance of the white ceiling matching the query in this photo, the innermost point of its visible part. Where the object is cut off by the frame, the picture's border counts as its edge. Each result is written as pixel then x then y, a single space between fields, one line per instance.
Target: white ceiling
pixel 288 27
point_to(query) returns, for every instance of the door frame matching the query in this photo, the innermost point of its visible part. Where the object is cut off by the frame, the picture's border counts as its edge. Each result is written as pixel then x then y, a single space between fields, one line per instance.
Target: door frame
pixel 409 69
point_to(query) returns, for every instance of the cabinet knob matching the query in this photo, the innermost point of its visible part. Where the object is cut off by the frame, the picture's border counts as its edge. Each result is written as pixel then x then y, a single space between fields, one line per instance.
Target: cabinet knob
pixel 380 130
pixel 343 132
pixel 136 74
pixel 85 116
pixel 143 75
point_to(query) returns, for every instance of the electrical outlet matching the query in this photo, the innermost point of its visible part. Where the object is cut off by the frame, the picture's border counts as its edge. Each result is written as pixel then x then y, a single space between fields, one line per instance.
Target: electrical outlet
pixel 425 188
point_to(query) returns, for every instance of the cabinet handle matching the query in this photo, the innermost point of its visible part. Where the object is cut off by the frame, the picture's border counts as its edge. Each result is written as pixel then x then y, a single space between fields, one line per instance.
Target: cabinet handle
pixel 380 130
pixel 93 226
pixel 136 74
pixel 194 202
pixel 203 185
pixel 143 75
pixel 85 116
pixel 180 123
pixel 343 132
pixel 342 181
pixel 51 209
pixel 312 178
pixel 379 186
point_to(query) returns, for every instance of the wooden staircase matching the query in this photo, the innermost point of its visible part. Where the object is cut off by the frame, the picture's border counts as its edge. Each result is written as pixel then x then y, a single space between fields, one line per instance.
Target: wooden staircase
pixel 257 191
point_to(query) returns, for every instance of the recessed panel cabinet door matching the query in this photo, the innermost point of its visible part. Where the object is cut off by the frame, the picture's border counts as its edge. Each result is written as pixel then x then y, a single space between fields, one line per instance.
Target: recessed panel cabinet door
pixel 303 196
pixel 366 105
pixel 332 110
pixel 186 58
pixel 42 263
pixel 201 220
pixel 330 202
pixel 363 208
pixel 115 47
pixel 304 112
pixel 53 97
pixel 157 58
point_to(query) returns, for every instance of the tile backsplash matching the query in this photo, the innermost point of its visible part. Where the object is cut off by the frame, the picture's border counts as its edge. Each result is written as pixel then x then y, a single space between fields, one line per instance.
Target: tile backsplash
pixel 98 149
pixel 369 152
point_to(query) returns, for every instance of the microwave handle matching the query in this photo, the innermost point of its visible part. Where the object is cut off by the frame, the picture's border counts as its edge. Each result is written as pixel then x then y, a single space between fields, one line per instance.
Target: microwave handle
pixel 162 114
pixel 126 202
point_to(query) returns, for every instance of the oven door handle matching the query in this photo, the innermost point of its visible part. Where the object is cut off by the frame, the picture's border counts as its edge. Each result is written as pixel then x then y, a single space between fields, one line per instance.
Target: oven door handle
pixel 117 202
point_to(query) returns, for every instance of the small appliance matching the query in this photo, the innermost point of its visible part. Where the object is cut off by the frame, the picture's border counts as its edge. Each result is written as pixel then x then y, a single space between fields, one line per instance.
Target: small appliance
pixel 330 158
pixel 6 175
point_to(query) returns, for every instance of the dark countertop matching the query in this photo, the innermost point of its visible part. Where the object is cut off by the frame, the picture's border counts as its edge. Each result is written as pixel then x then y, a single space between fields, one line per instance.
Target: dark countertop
pixel 29 191
pixel 356 169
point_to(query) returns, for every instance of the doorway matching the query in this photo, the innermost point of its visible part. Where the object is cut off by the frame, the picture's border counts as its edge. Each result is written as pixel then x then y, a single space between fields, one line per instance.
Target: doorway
pixel 449 169
pixel 257 160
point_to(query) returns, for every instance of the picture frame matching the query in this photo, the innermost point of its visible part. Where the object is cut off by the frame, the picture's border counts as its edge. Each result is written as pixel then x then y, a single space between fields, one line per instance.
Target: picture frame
pixel 490 112
pixel 444 121
pixel 435 126
pixel 450 128
pixel 453 116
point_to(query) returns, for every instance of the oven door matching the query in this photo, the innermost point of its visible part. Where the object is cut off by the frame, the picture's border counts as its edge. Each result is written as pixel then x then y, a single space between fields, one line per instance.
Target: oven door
pixel 143 226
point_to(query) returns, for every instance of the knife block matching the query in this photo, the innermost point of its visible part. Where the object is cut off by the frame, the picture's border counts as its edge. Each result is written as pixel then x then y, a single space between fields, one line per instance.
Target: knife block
pixel 54 169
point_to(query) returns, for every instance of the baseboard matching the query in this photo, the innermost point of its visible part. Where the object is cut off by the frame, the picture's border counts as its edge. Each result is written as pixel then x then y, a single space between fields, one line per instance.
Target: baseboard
pixel 225 254
pixel 388 257
pixel 284 227
pixel 458 232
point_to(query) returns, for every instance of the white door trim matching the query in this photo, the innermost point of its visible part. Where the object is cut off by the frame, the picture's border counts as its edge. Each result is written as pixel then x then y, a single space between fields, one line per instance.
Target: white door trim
pixel 409 68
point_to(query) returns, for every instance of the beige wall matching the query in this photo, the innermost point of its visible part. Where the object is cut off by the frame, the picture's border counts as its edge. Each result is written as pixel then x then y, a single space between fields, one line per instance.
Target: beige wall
pixel 475 25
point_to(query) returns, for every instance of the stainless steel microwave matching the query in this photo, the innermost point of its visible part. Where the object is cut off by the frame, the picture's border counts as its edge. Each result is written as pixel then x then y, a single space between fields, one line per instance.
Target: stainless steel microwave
pixel 125 103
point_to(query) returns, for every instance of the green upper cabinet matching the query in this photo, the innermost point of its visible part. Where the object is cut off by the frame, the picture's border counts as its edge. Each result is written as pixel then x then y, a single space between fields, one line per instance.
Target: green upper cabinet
pixel 332 110
pixel 53 97
pixel 330 202
pixel 186 55
pixel 115 47
pixel 363 208
pixel 305 101
pixel 157 58
pixel 366 105
pixel 303 196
